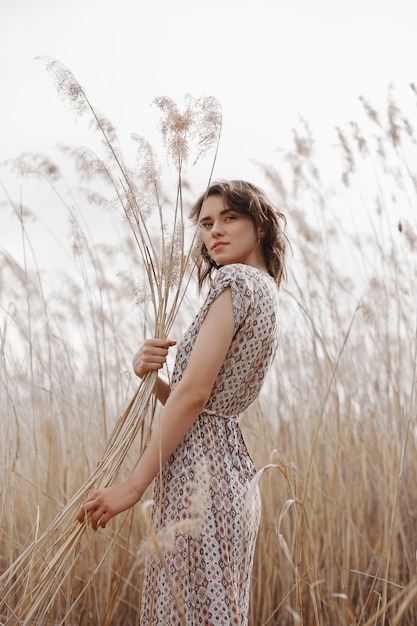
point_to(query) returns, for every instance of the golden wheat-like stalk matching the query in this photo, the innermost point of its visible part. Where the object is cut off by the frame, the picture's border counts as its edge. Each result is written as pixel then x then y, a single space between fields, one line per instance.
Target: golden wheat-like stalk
pixel 34 581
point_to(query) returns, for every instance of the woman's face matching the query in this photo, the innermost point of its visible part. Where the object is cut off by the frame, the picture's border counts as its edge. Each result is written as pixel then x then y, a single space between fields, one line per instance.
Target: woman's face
pixel 229 236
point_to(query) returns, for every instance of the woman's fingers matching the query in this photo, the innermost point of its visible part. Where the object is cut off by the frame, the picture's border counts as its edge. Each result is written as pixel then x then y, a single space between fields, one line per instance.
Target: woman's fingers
pixel 105 503
pixel 98 519
pixel 151 356
pixel 93 505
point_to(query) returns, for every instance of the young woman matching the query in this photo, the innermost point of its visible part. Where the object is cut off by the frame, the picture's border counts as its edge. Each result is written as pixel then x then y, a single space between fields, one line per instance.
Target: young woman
pixel 221 362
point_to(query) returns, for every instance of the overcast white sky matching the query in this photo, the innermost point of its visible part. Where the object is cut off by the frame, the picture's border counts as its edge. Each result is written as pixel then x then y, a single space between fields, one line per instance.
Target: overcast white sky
pixel 267 61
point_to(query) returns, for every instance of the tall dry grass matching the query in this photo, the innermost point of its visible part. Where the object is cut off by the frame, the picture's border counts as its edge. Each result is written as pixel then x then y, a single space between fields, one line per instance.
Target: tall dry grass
pixel 340 494
pixel 44 574
pixel 334 433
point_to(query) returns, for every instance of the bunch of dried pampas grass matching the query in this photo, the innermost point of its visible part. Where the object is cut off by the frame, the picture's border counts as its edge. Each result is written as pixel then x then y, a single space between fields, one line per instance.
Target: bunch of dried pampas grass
pixel 31 584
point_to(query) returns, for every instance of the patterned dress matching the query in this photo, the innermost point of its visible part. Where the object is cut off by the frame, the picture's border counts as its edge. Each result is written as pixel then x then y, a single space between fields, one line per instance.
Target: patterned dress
pixel 204 574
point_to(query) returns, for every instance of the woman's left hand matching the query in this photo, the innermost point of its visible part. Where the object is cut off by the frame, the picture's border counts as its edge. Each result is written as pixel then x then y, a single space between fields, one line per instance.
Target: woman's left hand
pixel 105 503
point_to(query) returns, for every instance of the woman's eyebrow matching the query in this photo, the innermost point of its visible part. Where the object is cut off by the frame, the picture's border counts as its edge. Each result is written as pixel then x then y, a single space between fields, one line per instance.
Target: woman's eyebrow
pixel 208 217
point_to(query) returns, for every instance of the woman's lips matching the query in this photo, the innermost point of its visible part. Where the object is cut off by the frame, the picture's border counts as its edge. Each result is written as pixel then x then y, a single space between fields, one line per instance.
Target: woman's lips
pixel 218 245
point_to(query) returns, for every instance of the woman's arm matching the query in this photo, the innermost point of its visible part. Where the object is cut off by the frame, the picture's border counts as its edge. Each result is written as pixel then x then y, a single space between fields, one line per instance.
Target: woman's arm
pixel 181 409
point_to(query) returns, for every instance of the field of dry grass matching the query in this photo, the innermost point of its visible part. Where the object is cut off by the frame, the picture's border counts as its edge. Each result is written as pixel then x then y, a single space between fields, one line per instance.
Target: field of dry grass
pixel 333 434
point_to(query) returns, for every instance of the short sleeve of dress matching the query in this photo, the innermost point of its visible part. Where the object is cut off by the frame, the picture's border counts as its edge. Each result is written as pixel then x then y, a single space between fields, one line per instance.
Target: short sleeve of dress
pixel 242 292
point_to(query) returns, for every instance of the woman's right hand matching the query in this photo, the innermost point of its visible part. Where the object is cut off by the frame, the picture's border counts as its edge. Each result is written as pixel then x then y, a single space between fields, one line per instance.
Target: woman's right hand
pixel 105 503
pixel 151 356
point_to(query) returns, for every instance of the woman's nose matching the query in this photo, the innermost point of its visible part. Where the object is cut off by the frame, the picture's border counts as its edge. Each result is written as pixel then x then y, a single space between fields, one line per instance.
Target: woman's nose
pixel 216 228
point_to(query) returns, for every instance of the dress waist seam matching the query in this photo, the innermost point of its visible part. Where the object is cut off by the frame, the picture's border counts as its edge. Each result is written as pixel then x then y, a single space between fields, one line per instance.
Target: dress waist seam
pixel 230 418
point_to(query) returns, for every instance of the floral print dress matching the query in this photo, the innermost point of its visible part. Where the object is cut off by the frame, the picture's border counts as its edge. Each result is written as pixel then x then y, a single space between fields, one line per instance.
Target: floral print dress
pixel 205 525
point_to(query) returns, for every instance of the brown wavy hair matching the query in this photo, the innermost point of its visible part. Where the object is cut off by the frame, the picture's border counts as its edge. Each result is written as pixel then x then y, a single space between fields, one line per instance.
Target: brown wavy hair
pixel 247 199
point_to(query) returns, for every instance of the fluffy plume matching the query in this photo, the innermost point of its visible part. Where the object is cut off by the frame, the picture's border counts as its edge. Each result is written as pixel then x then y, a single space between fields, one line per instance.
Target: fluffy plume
pixel 198 490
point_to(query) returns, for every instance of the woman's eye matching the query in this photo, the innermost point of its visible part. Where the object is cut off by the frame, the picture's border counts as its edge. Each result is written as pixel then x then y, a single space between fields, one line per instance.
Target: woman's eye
pixel 230 218
pixel 206 225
